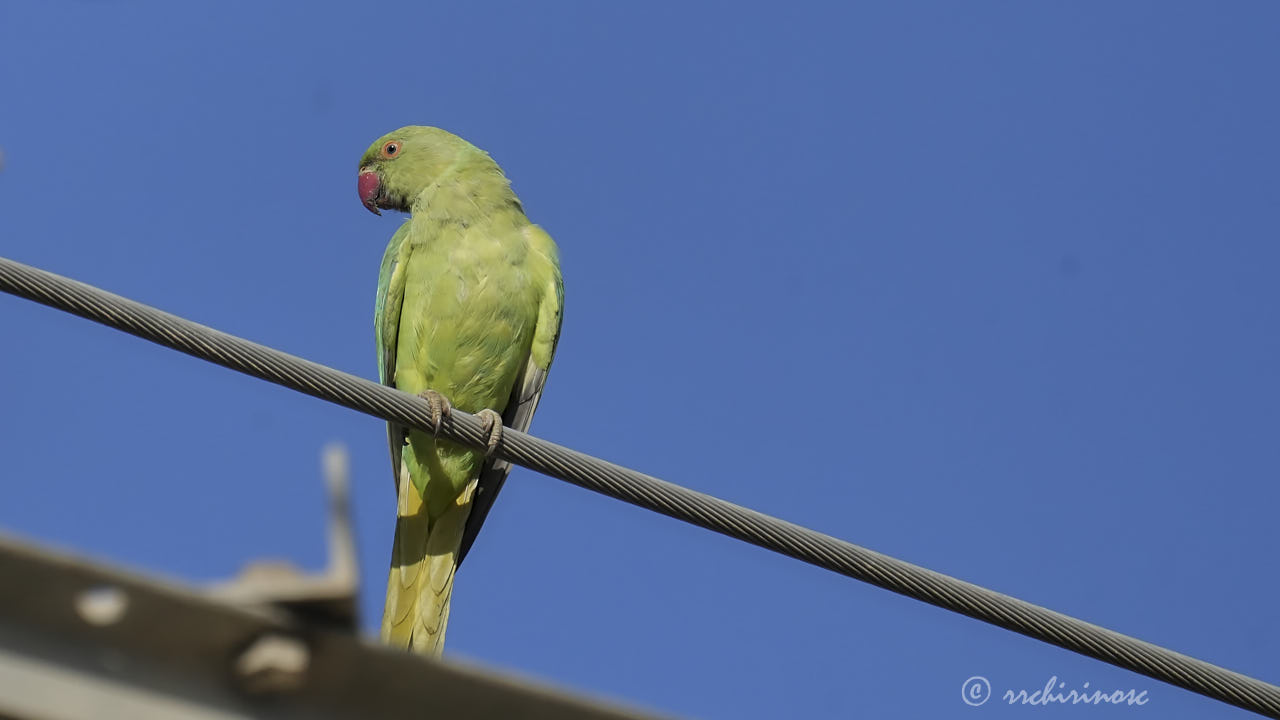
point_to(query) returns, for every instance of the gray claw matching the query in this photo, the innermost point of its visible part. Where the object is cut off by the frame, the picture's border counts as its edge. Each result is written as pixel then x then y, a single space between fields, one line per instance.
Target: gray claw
pixel 440 408
pixel 492 424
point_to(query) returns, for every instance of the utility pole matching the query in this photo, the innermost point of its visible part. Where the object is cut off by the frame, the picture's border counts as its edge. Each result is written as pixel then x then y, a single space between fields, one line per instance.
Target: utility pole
pixel 83 641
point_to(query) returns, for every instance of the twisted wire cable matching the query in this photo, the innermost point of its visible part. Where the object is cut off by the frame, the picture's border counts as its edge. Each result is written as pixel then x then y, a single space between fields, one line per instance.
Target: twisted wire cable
pixel 645 491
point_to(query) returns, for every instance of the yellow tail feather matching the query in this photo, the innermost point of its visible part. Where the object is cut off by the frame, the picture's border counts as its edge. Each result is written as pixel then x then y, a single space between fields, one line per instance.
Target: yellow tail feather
pixel 423 560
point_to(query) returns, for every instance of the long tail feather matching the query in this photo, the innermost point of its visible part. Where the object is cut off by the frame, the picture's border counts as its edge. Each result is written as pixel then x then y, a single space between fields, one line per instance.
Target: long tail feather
pixel 420 584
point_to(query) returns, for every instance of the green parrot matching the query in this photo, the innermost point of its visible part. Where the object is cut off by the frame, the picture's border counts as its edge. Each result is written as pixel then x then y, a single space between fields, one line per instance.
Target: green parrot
pixel 467 316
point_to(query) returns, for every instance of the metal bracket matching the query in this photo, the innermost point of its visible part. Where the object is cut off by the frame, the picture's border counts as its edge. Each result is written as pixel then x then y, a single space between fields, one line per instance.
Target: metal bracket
pixel 329 597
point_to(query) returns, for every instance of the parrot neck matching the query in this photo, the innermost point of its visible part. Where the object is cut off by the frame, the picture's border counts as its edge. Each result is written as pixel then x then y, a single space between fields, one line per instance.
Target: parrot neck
pixel 466 191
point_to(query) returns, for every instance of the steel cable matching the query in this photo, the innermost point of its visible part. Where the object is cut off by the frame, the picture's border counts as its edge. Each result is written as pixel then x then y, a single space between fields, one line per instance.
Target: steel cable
pixel 644 491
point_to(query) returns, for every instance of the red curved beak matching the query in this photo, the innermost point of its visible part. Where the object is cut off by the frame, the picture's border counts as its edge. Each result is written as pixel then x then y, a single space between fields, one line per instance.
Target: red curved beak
pixel 369 185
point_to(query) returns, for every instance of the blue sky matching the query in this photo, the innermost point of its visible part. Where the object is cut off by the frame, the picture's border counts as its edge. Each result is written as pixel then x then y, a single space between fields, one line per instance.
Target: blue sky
pixel 987 286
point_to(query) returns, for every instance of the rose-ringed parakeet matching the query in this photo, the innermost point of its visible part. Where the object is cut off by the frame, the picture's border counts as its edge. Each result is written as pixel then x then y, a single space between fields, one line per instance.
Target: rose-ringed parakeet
pixel 467 316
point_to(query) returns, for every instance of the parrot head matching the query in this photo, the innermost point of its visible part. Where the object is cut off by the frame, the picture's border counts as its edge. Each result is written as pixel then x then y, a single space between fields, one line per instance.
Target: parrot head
pixel 398 166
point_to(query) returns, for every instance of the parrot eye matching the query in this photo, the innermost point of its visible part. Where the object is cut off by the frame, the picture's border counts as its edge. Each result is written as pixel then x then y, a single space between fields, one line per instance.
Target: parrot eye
pixel 391 149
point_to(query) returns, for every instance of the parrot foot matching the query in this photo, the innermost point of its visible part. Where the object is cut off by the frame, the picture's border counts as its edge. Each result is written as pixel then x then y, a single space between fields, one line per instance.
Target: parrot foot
pixel 492 424
pixel 440 408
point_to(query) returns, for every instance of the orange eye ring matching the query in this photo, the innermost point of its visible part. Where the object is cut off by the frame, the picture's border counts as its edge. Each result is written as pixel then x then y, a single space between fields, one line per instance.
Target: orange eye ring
pixel 391 148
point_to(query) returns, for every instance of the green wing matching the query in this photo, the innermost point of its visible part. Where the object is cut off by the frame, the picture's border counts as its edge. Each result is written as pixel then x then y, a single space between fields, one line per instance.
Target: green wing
pixel 386 328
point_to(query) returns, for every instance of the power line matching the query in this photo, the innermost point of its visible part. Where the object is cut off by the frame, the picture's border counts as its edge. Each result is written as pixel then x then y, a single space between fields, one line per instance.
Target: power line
pixel 645 491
